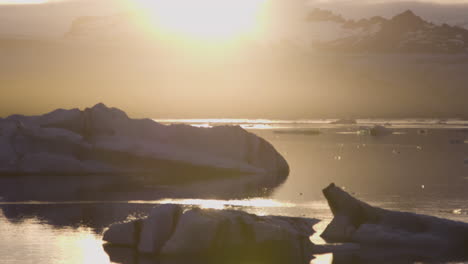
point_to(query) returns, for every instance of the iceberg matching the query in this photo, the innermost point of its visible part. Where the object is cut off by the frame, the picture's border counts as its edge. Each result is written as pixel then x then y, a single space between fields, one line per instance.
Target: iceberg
pixel 103 140
pixel 171 232
pixel 372 229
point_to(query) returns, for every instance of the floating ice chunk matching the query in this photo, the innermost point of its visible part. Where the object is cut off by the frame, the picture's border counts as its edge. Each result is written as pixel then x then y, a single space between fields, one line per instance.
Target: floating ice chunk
pixel 358 222
pixel 344 121
pixel 457 211
pixel 206 231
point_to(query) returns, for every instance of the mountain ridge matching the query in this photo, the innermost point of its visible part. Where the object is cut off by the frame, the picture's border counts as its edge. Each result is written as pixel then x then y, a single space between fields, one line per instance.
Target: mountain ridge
pixel 405 32
pixel 322 30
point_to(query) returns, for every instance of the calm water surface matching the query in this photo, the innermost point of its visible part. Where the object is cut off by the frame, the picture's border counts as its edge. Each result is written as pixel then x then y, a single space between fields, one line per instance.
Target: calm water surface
pixel 421 167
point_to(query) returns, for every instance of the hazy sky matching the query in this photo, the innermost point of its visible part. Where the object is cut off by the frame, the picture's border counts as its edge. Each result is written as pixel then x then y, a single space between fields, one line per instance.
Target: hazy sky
pixel 269 80
pixel 52 18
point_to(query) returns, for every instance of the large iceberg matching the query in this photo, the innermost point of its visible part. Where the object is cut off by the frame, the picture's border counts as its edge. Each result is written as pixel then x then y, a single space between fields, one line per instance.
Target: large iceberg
pixel 105 140
pixel 171 232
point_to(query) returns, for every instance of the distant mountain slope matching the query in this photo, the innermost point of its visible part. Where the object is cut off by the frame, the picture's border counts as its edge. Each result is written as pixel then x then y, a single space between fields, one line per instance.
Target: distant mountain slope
pixel 405 32
pixel 110 28
pixel 323 30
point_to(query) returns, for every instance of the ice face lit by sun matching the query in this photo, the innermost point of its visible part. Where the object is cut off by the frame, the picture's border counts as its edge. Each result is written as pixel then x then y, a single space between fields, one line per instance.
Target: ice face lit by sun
pixel 202 19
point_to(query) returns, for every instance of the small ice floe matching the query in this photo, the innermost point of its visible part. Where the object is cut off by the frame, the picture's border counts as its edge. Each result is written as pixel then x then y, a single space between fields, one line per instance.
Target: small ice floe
pixel 457 211
pixel 344 121
pixel 393 232
pixel 337 158
pixel 419 148
pixel 374 131
pixel 422 186
pixel 423 132
pixel 360 146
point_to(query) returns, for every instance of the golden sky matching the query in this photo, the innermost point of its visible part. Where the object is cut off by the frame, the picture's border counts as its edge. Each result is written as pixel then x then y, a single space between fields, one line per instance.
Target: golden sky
pixel 21 2
pixel 255 79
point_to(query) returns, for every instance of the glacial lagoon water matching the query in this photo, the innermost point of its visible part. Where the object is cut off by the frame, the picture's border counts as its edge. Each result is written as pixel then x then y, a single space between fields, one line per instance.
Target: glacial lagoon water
pixel 420 167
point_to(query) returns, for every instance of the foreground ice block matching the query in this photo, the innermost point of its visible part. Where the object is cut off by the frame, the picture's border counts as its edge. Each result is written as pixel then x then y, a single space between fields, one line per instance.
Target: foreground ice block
pixel 206 232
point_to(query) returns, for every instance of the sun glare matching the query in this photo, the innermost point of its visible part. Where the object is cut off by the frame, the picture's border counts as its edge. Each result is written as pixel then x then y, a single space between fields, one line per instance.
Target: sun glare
pixel 201 19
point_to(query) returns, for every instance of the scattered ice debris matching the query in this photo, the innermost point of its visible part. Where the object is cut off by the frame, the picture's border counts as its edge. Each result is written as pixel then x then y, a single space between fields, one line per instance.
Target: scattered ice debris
pixel 344 121
pixel 304 132
pixel 423 132
pixel 395 152
pixel 379 131
pixel 337 157
pixel 419 148
pixel 374 131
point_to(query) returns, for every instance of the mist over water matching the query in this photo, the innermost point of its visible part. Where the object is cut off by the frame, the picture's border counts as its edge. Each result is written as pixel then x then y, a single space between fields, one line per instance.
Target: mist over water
pixel 417 166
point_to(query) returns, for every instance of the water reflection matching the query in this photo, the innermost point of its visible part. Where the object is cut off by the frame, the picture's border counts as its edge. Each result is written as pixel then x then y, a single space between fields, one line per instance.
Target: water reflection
pixel 32 241
pixel 222 204
pixel 100 214
pixel 95 216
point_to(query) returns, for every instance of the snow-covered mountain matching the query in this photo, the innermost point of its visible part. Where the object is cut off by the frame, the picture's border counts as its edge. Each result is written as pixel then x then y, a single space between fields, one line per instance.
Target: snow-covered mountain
pixel 320 29
pixel 405 32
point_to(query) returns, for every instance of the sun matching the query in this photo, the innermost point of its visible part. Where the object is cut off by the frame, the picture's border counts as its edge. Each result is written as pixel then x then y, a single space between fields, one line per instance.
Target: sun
pixel 202 19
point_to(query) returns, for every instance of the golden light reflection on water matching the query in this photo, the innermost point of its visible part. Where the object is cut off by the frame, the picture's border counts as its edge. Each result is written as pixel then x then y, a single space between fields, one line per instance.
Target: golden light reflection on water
pixel 33 241
pixel 85 247
pixel 211 122
pixel 222 204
